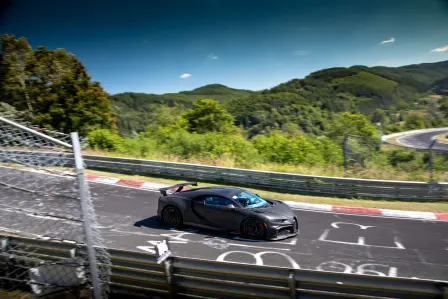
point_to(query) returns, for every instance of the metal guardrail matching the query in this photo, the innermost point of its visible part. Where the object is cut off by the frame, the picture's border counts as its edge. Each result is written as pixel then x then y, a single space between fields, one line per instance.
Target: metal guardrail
pixel 138 274
pixel 272 181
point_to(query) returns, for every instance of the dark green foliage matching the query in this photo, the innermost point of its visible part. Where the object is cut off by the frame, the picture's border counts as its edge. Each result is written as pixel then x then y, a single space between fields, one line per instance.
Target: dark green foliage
pixel 104 140
pixel 309 103
pixel 135 111
pixel 208 116
pixel 401 156
pixel 53 86
pixel 217 89
pixel 261 113
pixel 441 86
pixel 297 149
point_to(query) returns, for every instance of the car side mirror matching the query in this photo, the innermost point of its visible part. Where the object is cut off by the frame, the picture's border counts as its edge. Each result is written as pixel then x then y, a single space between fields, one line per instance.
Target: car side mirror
pixel 230 207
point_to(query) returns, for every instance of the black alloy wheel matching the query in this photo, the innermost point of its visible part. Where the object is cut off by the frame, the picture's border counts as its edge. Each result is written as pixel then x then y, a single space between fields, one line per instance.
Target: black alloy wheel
pixel 253 229
pixel 172 217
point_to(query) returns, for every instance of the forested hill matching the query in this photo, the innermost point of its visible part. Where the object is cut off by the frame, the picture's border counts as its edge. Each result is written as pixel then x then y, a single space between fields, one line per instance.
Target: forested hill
pixel 308 102
pixel 135 110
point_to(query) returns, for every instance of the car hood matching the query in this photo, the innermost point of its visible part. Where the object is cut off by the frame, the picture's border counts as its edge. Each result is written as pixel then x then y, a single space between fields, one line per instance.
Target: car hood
pixel 277 209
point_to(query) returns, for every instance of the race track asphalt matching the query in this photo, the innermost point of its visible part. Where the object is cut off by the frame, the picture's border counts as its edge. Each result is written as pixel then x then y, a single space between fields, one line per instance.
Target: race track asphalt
pixel 423 141
pixel 327 241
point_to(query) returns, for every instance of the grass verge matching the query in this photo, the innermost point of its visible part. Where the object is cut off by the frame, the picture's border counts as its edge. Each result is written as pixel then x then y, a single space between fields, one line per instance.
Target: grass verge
pixel 442 138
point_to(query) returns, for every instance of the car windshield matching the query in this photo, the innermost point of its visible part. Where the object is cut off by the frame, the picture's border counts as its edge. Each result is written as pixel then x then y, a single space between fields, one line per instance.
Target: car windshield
pixel 249 200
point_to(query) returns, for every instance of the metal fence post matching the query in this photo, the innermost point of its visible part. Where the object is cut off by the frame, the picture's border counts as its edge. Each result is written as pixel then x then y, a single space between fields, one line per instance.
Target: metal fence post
pixel 85 215
pixel 430 161
pixel 345 151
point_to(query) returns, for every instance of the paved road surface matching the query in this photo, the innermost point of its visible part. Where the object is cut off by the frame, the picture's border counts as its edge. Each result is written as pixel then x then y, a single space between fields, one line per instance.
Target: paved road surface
pixel 423 140
pixel 329 242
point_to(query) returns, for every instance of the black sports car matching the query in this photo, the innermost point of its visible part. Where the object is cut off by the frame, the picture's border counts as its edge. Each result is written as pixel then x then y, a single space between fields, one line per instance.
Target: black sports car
pixel 232 210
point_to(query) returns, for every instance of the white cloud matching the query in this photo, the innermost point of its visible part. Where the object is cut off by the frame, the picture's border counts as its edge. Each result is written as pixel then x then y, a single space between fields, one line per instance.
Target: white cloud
pixel 442 49
pixel 391 40
pixel 185 76
pixel 212 56
pixel 300 53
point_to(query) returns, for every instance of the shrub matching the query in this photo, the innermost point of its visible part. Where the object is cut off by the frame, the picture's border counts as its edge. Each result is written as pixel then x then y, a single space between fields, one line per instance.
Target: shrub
pixel 104 140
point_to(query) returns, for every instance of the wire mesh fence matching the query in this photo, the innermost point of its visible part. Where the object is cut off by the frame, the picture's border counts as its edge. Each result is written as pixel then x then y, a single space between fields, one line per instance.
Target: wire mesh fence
pixel 35 202
pixel 425 163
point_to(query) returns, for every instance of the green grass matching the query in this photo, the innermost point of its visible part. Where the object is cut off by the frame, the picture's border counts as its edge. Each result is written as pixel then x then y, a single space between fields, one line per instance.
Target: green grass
pixel 442 138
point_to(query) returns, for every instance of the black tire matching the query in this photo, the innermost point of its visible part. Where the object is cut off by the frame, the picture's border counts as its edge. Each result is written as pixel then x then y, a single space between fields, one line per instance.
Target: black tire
pixel 253 228
pixel 172 217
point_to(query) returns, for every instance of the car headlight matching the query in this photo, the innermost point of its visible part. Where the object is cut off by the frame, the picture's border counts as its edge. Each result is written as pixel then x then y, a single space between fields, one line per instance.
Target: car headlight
pixel 278 220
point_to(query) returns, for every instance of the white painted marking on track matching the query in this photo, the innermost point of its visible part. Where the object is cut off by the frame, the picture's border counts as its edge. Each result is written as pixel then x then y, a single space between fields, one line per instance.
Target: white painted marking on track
pixel 361 241
pixel 292 242
pixel 335 225
pixel 373 216
pixel 258 257
pixel 261 247
pixel 44 217
pixel 133 233
pixel 149 249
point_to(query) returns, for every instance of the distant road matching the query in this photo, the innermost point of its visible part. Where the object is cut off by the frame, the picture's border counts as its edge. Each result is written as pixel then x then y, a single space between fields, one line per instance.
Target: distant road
pixel 423 140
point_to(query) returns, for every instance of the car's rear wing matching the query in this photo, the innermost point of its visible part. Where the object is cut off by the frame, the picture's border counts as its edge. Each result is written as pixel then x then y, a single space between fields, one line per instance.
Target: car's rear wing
pixel 179 187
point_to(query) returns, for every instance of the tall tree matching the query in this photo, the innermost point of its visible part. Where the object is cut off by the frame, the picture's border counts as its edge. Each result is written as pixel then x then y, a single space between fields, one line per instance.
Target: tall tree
pixel 208 116
pixel 68 98
pixel 16 59
pixel 56 87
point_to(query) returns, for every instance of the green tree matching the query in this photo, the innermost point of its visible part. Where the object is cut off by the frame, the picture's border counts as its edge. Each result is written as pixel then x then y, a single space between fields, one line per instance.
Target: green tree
pixel 54 86
pixel 16 61
pixel 434 113
pixel 208 116
pixel 355 124
pixel 415 120
pixel 379 116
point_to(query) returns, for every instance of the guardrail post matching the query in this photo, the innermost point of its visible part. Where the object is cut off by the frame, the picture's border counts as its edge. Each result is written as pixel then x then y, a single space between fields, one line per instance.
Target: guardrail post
pixel 168 267
pixel 292 284
pixel 445 292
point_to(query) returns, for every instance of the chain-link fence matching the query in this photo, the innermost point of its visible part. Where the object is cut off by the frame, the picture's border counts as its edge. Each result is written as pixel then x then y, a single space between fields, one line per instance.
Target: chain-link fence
pixel 396 162
pixel 36 202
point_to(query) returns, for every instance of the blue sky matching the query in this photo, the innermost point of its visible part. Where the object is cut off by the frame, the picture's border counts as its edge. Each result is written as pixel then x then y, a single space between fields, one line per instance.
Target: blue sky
pixel 146 46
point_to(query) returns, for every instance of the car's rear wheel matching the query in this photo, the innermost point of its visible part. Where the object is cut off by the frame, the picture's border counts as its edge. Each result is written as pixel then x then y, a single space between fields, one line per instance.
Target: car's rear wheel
pixel 172 217
pixel 253 229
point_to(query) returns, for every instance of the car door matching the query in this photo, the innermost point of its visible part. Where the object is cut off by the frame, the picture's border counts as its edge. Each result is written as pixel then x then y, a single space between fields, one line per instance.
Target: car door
pixel 213 210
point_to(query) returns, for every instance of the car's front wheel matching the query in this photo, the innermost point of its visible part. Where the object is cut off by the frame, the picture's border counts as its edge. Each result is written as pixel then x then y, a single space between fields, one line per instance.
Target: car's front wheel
pixel 253 229
pixel 172 217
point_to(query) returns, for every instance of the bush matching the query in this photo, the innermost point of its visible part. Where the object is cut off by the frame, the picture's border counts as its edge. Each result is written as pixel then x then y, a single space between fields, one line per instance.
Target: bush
pixel 140 147
pixel 210 146
pixel 281 148
pixel 104 140
pixel 401 156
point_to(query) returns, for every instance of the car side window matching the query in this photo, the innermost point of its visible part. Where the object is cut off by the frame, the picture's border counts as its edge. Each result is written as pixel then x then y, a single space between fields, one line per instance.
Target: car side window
pixel 217 201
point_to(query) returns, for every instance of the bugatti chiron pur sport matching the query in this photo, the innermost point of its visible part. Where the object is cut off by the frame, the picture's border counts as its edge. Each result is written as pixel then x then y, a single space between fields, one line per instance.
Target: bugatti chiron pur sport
pixel 231 210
